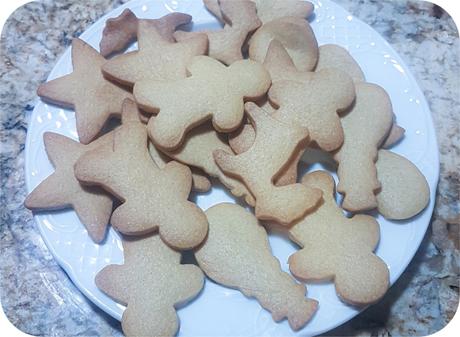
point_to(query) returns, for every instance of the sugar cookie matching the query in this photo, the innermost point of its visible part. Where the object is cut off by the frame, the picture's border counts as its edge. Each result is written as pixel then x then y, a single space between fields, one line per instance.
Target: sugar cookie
pixel 94 98
pixel 404 190
pixel 225 45
pixel 237 254
pixel 213 91
pixel 365 126
pixel 156 59
pixel 269 10
pixel 61 189
pixel 121 31
pixel 338 248
pixel 200 182
pixel 294 33
pixel 274 145
pixel 152 283
pixel 153 198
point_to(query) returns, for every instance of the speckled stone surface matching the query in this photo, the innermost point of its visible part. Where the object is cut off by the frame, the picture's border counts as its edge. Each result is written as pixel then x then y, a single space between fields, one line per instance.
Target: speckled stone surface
pixel 38 297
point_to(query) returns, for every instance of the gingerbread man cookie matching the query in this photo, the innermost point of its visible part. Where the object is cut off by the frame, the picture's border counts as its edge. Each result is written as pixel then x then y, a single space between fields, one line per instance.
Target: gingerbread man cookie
pixel 212 91
pixel 126 169
pixel 152 283
pixel 338 248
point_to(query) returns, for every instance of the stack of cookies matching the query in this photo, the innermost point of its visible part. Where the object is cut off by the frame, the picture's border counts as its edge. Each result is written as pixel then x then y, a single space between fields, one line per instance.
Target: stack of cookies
pixel 243 104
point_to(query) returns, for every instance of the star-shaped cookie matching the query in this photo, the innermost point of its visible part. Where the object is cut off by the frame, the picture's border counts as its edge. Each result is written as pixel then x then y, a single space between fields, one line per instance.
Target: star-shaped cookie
pixel 62 190
pixel 94 98
pixel 156 59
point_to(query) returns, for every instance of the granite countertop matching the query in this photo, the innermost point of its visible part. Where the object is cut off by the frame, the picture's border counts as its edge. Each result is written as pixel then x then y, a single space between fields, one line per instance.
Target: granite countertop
pixel 39 298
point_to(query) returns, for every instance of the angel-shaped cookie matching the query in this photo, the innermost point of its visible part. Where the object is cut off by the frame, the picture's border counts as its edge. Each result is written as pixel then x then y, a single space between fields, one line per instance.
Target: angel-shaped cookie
pixel 153 198
pixel 237 254
pixel 338 248
pixel 62 190
pixel 152 283
pixel 212 91
pixel 274 145
pixel 94 98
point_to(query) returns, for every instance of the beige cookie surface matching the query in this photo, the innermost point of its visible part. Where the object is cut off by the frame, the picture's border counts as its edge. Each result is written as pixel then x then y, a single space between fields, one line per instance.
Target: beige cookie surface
pixel 153 198
pixel 338 248
pixel 200 182
pixel 404 190
pixel 156 58
pixel 213 91
pixel 294 33
pixel 94 98
pixel 197 151
pixel 332 55
pixel 242 140
pixel 269 10
pixel 394 136
pixel 237 254
pixel 331 92
pixel 240 20
pixel 214 8
pixel 61 189
pixel 121 31
pixel 279 64
pixel 365 126
pixel 152 283
pixel 273 148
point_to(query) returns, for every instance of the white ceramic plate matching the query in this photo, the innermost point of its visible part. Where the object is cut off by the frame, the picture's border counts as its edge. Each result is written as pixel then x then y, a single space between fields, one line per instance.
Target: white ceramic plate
pixel 218 310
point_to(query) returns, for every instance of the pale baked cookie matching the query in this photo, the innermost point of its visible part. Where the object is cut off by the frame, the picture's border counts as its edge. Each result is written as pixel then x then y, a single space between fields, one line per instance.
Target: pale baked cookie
pixel 274 145
pixel 269 10
pixel 330 92
pixel 156 59
pixel 279 64
pixel 225 44
pixel 332 55
pixel 404 190
pixel 153 198
pixel 152 283
pixel 338 248
pixel 121 31
pixel 214 8
pixel 62 190
pixel 394 136
pixel 197 151
pixel 213 91
pixel 294 33
pixel 237 254
pixel 365 127
pixel 241 140
pixel 94 98
pixel 200 182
